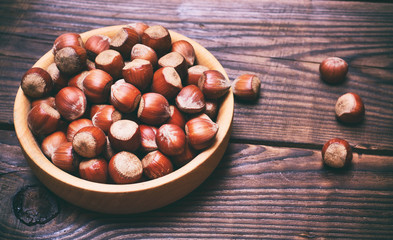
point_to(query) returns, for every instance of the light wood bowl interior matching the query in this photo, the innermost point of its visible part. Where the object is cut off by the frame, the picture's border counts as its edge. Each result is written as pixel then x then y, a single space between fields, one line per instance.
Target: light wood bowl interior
pixel 125 198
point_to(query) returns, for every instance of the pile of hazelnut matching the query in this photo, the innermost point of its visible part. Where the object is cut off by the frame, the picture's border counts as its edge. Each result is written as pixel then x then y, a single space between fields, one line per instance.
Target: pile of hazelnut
pixel 127 108
pixel 349 109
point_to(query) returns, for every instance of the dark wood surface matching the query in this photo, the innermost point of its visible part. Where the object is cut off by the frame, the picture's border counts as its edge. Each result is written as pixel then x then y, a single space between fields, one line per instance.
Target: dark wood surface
pixel 271 182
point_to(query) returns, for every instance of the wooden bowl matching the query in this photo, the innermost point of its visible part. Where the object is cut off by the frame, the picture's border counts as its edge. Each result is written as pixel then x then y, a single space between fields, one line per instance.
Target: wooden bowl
pixel 125 198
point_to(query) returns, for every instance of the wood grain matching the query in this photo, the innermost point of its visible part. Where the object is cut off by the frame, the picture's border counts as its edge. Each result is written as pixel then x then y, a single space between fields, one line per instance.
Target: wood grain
pixel 280 41
pixel 256 192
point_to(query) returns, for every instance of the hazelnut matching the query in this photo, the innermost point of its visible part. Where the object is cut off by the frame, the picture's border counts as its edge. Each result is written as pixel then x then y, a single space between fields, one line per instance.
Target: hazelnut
pixel 67 40
pixel 350 108
pixel 175 60
pixel 336 153
pixel 139 27
pixel 77 80
pixel 48 100
pixel 148 138
pixel 246 87
pixel 213 84
pixel 71 103
pixel 155 165
pixel 140 51
pixel 170 139
pixel 167 82
pixel 153 109
pixel 52 142
pixel 124 40
pixel 59 80
pixel 158 38
pixel 77 125
pixel 185 157
pixel 124 96
pixel 65 159
pixel 95 170
pixel 190 100
pixel 176 117
pixel 194 73
pixel 89 142
pixel 71 60
pixel 97 86
pixel 111 62
pixel 43 119
pixel 95 45
pixel 124 135
pixel 125 167
pixel 201 131
pixel 105 117
pixel 211 109
pixel 36 83
pixel 186 50
pixel 333 70
pixel 138 72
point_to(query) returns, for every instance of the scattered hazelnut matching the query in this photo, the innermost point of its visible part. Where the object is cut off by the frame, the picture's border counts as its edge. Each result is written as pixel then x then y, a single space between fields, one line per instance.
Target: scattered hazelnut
pixel 333 70
pixel 350 108
pixel 336 153
pixel 246 87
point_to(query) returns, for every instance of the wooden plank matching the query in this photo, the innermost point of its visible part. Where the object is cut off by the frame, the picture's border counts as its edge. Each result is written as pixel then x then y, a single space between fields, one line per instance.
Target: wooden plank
pixel 255 192
pixel 282 42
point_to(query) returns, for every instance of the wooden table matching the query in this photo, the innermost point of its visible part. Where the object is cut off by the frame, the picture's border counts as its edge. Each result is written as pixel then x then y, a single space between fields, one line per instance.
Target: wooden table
pixel 271 182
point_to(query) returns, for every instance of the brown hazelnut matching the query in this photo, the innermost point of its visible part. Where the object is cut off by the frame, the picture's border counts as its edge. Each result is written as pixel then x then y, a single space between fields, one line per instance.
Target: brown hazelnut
pixel 333 70
pixel 349 108
pixel 336 153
